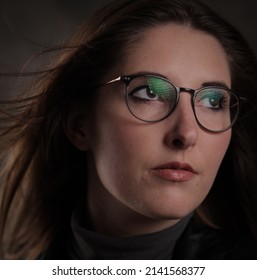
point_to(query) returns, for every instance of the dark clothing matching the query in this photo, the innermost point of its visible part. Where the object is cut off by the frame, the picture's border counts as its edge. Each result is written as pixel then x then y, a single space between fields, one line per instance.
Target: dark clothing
pixel 187 240
pixel 200 242
pixel 155 246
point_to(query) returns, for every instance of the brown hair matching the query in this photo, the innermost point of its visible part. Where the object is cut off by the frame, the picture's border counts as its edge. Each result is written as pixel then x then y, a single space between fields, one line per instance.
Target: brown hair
pixel 42 175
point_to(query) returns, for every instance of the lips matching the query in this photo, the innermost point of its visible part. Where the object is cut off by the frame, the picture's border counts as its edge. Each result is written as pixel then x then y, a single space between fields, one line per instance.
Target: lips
pixel 175 172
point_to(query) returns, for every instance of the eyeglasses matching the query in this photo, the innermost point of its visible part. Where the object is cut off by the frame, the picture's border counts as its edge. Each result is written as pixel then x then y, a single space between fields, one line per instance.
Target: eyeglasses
pixel 152 98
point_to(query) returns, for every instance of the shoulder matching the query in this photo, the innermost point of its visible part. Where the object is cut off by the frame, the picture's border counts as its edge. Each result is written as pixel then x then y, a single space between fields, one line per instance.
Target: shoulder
pixel 203 242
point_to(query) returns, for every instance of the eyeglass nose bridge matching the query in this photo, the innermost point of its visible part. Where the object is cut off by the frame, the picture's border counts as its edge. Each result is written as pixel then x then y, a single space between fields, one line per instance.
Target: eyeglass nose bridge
pixel 185 89
pixel 192 92
pixel 189 90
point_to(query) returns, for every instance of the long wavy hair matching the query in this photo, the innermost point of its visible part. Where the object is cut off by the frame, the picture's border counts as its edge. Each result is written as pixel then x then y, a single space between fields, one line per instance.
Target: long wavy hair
pixel 42 173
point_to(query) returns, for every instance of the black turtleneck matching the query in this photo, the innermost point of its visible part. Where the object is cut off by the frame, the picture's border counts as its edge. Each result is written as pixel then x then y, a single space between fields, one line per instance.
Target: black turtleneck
pixel 87 244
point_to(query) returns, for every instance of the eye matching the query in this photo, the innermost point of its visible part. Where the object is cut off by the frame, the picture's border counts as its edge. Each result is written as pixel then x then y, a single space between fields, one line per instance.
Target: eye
pixel 214 99
pixel 163 89
pixel 152 89
pixel 143 93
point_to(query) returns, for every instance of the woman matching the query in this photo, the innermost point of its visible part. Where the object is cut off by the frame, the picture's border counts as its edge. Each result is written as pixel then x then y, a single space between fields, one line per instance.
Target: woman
pixel 132 146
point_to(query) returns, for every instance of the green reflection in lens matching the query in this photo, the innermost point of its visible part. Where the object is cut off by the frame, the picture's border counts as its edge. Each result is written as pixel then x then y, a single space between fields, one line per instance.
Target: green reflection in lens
pixel 211 98
pixel 161 88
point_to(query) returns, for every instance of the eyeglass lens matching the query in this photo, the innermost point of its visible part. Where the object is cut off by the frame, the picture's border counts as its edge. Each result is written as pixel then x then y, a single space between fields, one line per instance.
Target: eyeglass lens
pixel 150 98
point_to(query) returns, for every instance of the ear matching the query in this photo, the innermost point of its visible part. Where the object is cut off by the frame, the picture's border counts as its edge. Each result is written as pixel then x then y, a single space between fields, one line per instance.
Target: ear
pixel 76 129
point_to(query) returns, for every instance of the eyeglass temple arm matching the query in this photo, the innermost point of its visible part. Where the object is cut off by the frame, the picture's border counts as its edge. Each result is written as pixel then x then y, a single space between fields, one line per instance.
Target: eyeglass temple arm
pixel 125 79
pixel 114 80
pixel 110 82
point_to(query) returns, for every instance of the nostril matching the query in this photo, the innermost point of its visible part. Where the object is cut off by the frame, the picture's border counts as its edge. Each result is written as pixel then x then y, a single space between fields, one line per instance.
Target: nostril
pixel 177 143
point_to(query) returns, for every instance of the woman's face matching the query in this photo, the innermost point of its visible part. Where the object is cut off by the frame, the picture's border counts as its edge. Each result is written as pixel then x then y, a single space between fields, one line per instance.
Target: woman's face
pixel 156 172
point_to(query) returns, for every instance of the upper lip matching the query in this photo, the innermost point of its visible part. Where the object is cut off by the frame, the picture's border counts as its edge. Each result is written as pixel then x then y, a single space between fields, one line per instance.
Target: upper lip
pixel 177 165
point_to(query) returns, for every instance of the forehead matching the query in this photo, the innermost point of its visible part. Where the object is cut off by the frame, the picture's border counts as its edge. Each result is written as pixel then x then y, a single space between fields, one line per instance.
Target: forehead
pixel 179 52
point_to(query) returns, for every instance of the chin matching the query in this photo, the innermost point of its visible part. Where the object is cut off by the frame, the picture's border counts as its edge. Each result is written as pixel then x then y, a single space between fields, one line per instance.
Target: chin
pixel 173 205
pixel 169 213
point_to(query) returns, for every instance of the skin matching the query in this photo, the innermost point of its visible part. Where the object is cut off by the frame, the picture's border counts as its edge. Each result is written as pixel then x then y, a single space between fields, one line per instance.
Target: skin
pixel 125 197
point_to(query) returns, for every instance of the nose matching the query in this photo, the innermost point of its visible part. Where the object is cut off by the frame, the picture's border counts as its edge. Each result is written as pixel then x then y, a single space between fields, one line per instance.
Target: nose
pixel 182 126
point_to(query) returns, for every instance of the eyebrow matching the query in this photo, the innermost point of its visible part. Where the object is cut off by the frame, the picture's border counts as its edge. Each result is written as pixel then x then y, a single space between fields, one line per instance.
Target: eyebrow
pixel 205 84
pixel 216 84
pixel 148 73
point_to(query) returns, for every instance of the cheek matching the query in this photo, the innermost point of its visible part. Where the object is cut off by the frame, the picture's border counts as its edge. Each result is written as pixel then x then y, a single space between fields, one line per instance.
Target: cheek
pixel 114 143
pixel 214 150
pixel 221 145
pixel 117 138
pixel 118 164
pixel 118 147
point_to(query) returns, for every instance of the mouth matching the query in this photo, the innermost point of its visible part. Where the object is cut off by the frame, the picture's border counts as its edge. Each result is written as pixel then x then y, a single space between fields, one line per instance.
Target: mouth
pixel 175 172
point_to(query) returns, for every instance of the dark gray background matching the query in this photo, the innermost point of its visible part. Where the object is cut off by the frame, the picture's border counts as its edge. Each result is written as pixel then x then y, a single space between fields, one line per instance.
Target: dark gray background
pixel 27 26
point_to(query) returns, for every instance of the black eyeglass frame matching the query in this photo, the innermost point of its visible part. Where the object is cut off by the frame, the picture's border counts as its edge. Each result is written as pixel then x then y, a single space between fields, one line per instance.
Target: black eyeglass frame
pixel 126 79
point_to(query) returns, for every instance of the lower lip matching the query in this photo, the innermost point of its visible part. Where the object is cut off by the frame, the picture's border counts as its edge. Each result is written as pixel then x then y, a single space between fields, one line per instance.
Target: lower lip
pixel 174 175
